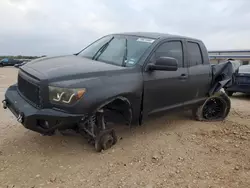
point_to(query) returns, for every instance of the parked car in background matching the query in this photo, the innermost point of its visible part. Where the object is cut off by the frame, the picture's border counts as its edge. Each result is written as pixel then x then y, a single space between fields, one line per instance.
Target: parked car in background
pixel 9 62
pixel 241 81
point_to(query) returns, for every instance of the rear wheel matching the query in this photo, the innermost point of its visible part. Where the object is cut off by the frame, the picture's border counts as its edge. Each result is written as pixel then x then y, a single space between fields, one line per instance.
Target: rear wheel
pixel 215 108
pixel 1 65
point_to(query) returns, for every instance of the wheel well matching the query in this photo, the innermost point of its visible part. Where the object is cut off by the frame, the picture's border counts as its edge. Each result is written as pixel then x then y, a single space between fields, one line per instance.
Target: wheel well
pixel 118 110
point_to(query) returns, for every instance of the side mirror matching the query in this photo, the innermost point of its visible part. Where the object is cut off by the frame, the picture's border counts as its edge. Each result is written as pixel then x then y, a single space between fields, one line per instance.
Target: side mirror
pixel 164 64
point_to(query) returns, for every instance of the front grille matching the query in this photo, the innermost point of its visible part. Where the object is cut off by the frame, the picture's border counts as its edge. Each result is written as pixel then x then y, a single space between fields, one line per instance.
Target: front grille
pixel 29 90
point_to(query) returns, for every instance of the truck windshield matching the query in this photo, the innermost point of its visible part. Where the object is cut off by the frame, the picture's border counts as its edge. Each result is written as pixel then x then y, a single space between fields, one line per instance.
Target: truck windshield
pixel 119 50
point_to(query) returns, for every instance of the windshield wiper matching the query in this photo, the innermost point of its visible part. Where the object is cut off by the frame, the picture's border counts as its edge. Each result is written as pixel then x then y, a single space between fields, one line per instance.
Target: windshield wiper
pixel 125 56
pixel 101 50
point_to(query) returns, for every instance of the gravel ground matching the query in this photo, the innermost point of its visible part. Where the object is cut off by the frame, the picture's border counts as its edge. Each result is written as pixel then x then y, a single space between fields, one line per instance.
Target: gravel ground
pixel 170 151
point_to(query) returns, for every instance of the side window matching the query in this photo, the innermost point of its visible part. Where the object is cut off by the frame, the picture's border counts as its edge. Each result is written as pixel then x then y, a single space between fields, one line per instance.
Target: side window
pixel 195 55
pixel 171 49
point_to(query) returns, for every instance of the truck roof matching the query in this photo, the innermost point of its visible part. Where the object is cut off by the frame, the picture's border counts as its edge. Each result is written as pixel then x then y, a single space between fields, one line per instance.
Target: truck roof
pixel 155 35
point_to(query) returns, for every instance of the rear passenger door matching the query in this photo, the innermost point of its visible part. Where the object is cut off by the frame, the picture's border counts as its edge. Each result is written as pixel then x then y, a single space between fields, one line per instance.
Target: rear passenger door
pixel 166 89
pixel 199 69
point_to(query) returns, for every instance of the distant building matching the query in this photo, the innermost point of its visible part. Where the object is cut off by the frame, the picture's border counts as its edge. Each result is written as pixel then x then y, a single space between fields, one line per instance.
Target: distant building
pixel 221 55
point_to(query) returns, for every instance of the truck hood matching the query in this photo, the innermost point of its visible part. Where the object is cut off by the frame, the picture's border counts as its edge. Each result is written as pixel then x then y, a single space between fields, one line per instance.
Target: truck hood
pixel 53 68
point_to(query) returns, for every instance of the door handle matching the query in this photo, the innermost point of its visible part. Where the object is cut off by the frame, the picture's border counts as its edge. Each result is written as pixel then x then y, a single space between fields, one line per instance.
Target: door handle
pixel 183 76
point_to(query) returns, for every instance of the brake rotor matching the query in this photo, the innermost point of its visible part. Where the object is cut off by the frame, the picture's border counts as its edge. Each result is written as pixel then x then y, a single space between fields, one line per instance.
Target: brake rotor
pixel 105 140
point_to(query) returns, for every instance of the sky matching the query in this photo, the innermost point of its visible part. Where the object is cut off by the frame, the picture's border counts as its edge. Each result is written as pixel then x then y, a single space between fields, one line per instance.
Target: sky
pixel 55 27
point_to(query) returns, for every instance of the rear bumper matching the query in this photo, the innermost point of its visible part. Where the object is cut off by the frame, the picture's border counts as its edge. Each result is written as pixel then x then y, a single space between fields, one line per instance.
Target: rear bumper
pixel 43 121
pixel 239 88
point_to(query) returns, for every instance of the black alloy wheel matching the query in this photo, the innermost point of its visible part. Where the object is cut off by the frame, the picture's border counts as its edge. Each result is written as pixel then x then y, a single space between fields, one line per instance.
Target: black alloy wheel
pixel 214 108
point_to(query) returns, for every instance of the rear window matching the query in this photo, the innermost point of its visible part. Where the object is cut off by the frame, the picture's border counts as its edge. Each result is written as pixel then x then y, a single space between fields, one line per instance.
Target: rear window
pixel 195 55
pixel 244 69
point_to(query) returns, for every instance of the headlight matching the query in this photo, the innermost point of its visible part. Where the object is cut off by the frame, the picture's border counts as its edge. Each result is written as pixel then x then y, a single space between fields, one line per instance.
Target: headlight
pixel 65 95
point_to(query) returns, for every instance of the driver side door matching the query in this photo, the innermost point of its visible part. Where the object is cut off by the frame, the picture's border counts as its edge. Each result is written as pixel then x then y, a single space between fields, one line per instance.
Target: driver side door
pixel 165 90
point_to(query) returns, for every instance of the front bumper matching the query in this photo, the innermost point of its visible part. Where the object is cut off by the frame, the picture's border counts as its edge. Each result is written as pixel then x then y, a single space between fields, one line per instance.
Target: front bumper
pixel 44 121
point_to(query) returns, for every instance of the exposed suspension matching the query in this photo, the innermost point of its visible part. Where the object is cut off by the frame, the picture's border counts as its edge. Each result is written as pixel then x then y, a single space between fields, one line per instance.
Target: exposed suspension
pixel 97 131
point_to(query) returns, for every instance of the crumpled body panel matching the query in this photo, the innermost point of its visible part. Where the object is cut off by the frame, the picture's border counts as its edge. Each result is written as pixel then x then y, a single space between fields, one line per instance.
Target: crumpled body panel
pixel 223 75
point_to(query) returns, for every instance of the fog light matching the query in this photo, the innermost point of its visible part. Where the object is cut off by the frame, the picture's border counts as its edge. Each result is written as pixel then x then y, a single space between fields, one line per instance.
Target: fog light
pixel 43 124
pixel 46 124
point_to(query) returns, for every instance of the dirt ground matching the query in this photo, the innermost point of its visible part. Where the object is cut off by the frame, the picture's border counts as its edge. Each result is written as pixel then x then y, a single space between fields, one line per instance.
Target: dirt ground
pixel 170 151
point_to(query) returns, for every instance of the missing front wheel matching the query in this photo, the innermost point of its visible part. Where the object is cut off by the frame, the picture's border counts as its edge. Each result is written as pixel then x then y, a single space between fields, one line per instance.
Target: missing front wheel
pixel 96 131
pixel 105 140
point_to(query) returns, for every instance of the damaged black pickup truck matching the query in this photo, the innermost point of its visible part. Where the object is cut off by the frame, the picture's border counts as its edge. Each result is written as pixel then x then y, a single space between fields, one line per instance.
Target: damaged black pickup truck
pixel 130 75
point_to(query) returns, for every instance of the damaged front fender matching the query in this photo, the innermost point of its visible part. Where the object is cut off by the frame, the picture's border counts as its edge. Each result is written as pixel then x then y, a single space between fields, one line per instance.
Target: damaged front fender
pixel 119 104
